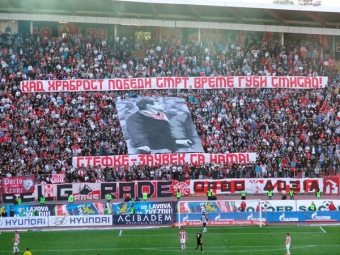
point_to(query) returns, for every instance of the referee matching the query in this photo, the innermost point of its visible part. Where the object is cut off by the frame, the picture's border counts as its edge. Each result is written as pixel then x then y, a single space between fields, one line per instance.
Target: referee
pixel 199 241
pixel 27 252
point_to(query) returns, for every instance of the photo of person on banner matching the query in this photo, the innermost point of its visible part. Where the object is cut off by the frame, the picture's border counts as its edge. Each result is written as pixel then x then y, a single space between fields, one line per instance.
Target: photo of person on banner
pixel 159 125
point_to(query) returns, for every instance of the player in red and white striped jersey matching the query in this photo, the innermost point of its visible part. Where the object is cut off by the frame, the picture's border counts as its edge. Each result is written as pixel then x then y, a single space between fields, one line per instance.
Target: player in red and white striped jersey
pixel 182 238
pixel 288 240
pixel 16 242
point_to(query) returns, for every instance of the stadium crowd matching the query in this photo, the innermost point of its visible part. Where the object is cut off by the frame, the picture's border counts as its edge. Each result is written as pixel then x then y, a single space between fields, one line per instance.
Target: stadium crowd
pixel 296 133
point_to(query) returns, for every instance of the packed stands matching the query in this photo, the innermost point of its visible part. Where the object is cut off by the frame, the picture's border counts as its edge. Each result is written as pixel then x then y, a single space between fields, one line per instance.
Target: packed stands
pixel 294 132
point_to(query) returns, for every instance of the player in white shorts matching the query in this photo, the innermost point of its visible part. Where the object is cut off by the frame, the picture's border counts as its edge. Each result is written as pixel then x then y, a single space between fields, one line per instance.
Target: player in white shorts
pixel 182 238
pixel 288 239
pixel 204 219
pixel 16 242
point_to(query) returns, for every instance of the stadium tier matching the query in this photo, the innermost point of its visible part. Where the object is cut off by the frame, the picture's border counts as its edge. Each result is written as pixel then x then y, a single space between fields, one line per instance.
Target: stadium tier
pixel 128 103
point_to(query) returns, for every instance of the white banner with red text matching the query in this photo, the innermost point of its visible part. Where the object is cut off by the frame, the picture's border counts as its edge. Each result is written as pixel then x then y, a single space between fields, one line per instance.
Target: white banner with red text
pixel 58 178
pixel 163 159
pixel 293 82
pixel 255 186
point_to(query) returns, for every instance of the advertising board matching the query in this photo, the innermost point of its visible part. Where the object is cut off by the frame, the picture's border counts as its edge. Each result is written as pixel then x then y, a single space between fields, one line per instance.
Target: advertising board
pixel 80 221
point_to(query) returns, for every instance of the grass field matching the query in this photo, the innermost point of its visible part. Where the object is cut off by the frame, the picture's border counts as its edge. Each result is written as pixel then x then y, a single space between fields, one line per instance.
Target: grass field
pixel 306 240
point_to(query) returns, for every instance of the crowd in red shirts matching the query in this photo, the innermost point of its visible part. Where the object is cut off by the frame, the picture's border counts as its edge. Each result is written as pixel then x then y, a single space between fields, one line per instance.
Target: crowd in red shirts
pixel 295 133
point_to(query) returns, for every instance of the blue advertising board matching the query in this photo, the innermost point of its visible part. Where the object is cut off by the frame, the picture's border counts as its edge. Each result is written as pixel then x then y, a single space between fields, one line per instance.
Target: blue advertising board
pixel 211 216
pixel 253 216
pixel 287 216
pixel 25 210
pixel 321 216
pixel 143 208
pixel 143 219
pixel 266 216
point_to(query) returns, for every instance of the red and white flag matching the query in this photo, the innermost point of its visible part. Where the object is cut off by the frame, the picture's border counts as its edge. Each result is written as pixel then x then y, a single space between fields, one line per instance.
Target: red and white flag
pixel 48 190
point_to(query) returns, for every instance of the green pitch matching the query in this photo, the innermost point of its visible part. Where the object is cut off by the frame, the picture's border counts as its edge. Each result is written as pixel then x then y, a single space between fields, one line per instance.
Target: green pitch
pixel 219 240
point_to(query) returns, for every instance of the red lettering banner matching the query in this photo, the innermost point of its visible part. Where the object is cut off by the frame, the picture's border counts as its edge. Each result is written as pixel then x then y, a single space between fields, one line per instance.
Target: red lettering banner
pixel 293 82
pixel 18 185
pixel 256 185
pixel 163 159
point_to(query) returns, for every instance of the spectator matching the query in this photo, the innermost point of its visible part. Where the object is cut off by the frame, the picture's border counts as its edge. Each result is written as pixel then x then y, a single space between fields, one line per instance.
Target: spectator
pixel 243 206
pixel 331 207
pixel 4 213
pixel 127 198
pixel 312 207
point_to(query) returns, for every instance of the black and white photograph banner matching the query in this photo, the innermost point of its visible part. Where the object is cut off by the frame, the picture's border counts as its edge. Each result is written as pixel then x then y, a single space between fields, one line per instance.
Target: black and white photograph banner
pixel 158 125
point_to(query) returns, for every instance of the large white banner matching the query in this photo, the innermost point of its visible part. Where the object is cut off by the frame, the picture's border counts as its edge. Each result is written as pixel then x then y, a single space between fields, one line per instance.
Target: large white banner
pixel 256 185
pixel 163 159
pixel 292 205
pixel 293 82
pixel 23 222
pixel 80 221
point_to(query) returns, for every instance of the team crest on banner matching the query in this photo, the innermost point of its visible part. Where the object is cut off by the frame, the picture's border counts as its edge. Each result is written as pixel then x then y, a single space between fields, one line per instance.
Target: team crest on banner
pixel 158 125
pixel 183 187
pixel 255 186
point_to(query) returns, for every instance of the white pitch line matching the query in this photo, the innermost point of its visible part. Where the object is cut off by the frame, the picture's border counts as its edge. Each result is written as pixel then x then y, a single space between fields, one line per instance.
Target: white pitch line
pixel 120 232
pixel 323 230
